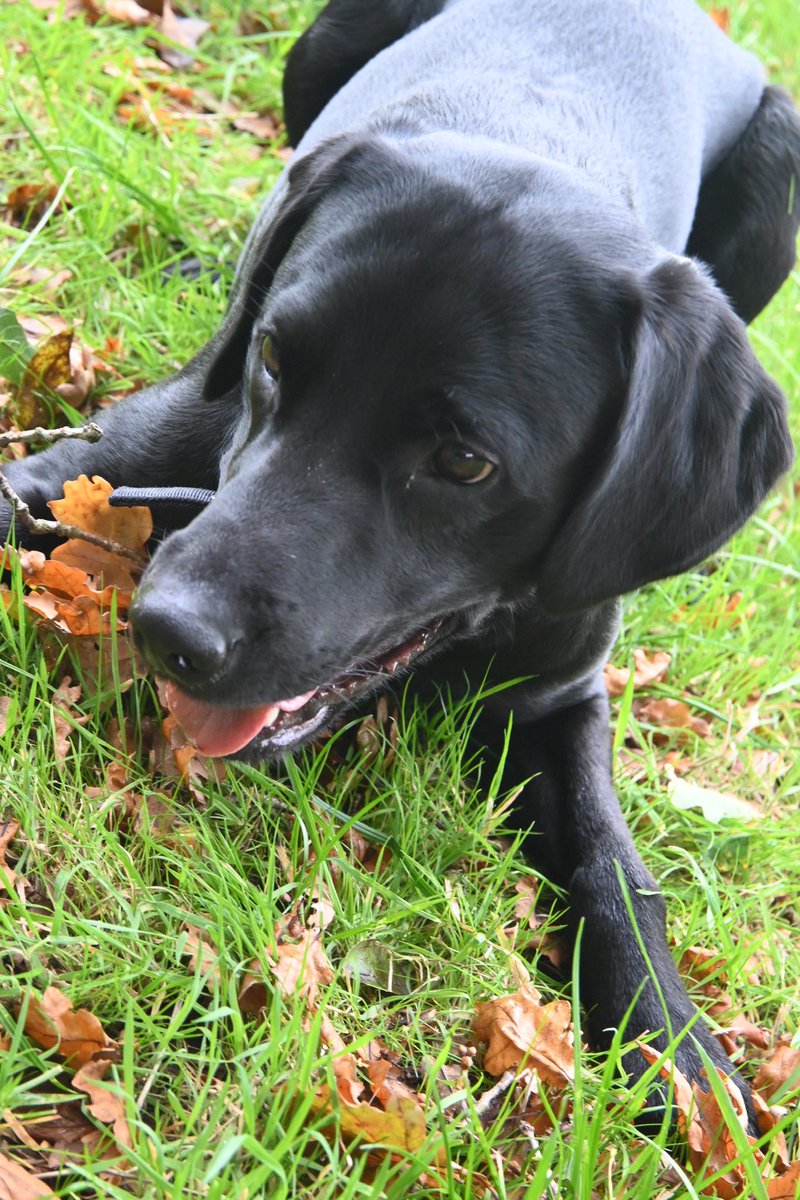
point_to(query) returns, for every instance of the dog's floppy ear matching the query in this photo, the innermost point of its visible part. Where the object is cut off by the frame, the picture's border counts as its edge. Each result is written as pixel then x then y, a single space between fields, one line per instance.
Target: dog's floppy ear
pixel 309 181
pixel 702 438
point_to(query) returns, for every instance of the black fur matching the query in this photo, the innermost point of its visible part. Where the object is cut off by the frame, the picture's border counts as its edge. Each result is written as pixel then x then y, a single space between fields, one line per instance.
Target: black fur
pixel 453 264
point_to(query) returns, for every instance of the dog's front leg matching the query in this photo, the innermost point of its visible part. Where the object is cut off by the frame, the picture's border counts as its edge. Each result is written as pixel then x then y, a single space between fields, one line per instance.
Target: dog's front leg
pixel 627 975
pixel 166 435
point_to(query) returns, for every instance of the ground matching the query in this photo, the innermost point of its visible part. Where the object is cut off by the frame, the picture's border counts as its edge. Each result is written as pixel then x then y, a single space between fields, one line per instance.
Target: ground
pixel 242 944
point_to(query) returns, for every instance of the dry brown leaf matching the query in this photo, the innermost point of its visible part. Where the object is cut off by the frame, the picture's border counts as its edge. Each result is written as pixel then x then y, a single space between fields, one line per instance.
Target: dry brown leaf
pixel 124 12
pixel 46 280
pixel 703 965
pixel 712 1147
pixel 521 1031
pixel 17 1183
pixel 202 955
pixel 781 1069
pixel 343 1063
pixel 786 1186
pixel 64 719
pixel 721 18
pixel 68 1129
pixel 373 859
pixel 401 1125
pixel 252 995
pixel 85 504
pixel 185 32
pixel 27 203
pixel 5 708
pixel 386 1081
pixel 648 667
pixel 76 1034
pixel 670 714
pixel 265 127
pixel 106 1105
pixel 300 967
pixel 8 831
pixel 718 1147
pixel 183 761
pixel 48 368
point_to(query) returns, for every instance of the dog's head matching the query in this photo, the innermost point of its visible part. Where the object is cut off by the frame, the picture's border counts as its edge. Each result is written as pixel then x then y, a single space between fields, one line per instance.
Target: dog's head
pixel 443 394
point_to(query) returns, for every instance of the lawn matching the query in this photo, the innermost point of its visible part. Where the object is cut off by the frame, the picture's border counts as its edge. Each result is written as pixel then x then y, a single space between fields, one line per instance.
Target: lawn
pixel 179 910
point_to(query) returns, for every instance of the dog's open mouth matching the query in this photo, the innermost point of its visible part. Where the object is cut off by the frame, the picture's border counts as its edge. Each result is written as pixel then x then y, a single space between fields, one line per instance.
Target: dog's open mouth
pixel 283 724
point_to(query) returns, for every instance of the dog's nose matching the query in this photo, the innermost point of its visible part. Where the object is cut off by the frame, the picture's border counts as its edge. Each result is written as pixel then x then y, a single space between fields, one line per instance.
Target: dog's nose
pixel 177 640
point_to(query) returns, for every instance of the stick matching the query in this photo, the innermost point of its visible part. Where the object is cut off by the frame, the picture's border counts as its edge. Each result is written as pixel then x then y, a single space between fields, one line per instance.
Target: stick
pixel 87 433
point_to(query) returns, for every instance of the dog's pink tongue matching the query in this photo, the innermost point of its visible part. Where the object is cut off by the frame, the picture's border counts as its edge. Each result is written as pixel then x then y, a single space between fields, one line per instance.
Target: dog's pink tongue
pixel 217 731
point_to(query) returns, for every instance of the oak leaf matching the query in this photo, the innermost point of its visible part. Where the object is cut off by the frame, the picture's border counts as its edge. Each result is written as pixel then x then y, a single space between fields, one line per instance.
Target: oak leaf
pixel 781 1069
pixel 668 713
pixel 76 1034
pixel 387 1083
pixel 17 1183
pixel 400 1126
pixel 86 504
pixel 105 1105
pixel 521 1031
pixel 648 667
pixel 343 1063
pixel 300 967
pixel 786 1186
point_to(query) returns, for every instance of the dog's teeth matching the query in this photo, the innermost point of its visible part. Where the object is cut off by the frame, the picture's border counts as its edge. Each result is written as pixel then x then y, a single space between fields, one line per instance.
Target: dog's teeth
pixel 295 702
pixel 272 714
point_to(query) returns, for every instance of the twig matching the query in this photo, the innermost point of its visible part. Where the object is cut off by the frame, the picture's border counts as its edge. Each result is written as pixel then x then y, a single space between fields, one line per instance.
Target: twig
pixel 88 433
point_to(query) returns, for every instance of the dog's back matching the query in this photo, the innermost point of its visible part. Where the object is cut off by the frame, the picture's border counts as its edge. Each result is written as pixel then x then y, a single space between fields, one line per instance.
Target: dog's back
pixel 636 94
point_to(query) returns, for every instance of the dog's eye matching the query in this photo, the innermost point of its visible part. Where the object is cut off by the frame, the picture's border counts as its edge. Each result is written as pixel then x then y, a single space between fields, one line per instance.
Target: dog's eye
pixel 269 353
pixel 460 464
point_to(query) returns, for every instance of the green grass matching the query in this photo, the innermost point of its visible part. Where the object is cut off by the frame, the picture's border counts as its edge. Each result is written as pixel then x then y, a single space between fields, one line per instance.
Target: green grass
pixel 219 1101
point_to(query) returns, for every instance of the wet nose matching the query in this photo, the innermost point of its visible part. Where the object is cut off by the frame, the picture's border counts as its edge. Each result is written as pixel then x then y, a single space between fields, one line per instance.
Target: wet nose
pixel 176 639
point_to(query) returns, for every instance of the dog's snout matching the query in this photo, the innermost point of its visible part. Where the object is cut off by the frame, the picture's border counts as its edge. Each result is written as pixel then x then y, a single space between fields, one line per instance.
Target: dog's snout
pixel 178 640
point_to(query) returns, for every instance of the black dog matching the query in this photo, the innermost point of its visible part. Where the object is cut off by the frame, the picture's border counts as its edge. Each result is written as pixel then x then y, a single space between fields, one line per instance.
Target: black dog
pixel 467 392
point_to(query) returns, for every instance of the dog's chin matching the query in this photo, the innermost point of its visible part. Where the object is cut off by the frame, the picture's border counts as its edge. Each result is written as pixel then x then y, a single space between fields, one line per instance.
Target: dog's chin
pixel 275 729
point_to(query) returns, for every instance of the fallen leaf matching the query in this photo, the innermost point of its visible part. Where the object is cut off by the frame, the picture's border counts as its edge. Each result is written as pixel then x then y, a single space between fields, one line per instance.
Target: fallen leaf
pixel 400 1126
pixel 27 203
pixel 343 1063
pixel 203 957
pixel 75 1033
pixel 521 1031
pixel 265 127
pixel 68 1130
pixel 779 1071
pixel 300 967
pixel 648 667
pixel 17 1183
pixel 386 1081
pixel 185 32
pixel 64 719
pixel 786 1186
pixel 721 18
pixel 105 1105
pixel 48 368
pixel 125 12
pixel 715 806
pixel 85 504
pixel 670 714
pixel 252 994
pixel 375 965
pixel 8 831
